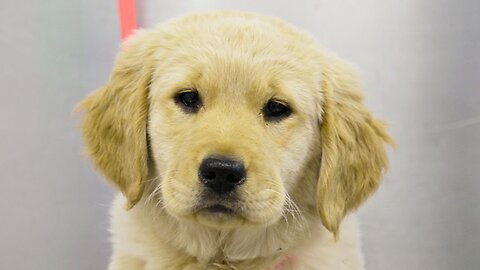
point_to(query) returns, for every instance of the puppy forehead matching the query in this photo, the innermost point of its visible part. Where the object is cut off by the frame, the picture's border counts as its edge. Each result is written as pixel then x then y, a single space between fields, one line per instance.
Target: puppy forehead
pixel 248 61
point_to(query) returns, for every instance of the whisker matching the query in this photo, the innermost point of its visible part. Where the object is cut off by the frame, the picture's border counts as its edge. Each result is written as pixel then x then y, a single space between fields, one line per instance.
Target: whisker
pixel 292 209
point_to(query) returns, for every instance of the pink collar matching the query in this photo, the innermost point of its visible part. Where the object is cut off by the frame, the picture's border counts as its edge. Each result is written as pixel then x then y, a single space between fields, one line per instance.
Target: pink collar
pixel 285 262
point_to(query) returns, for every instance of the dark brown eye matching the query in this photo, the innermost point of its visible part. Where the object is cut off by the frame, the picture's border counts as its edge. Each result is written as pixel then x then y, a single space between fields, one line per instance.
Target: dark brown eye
pixel 275 110
pixel 189 100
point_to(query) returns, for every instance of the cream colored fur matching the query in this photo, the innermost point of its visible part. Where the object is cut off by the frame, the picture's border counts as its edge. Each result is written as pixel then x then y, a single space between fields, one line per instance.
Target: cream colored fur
pixel 306 173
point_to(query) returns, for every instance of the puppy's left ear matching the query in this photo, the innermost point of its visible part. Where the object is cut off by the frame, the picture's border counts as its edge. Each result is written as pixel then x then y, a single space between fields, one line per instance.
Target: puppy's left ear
pixel 115 118
pixel 353 145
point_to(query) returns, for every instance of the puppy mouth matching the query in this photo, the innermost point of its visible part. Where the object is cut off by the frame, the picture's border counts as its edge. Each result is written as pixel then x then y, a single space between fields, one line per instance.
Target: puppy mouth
pixel 218 215
pixel 226 205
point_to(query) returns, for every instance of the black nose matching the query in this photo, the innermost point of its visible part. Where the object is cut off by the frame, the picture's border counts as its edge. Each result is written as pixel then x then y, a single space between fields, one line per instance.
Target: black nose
pixel 221 174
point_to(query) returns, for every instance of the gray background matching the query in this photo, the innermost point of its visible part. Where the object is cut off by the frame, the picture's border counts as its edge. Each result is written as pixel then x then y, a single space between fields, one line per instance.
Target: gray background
pixel 420 63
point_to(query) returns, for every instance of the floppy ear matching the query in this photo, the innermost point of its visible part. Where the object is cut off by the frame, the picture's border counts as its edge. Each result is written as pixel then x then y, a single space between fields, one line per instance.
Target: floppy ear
pixel 115 118
pixel 353 146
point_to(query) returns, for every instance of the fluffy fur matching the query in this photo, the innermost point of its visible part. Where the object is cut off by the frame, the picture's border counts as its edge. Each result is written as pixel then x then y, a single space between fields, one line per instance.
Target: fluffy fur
pixel 305 173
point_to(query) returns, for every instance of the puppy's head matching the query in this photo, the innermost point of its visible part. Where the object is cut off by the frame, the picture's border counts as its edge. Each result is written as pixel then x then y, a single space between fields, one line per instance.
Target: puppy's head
pixel 228 112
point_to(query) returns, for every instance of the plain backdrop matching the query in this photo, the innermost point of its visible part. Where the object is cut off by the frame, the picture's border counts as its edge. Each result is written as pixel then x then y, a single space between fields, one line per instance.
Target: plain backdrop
pixel 420 64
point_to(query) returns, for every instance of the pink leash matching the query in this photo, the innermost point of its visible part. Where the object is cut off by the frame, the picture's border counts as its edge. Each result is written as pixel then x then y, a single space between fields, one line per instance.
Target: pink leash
pixel 128 17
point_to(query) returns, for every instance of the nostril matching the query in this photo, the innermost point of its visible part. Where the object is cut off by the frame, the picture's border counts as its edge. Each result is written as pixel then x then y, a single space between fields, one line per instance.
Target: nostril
pixel 232 178
pixel 210 175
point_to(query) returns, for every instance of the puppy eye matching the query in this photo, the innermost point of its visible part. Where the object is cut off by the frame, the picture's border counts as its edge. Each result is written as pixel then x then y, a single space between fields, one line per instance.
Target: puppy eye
pixel 189 100
pixel 275 110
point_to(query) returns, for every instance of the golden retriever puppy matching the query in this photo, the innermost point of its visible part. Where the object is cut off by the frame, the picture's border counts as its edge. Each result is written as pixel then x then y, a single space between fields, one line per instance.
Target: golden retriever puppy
pixel 237 143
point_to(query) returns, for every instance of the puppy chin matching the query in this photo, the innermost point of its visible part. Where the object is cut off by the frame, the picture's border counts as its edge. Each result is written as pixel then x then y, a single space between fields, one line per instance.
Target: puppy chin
pixel 230 219
pixel 219 220
pixel 214 217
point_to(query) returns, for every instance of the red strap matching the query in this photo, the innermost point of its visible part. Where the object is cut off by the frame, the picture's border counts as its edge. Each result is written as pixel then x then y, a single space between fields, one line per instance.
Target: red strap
pixel 128 17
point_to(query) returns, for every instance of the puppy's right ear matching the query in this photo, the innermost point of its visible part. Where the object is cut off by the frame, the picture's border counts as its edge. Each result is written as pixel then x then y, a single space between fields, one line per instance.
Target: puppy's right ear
pixel 115 118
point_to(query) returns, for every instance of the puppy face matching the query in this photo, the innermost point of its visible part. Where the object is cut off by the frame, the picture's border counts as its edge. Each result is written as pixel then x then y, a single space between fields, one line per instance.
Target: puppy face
pixel 230 130
pixel 234 107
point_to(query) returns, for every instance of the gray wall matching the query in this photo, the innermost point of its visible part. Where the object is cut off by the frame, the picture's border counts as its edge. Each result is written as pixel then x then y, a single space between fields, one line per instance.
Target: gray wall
pixel 420 63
